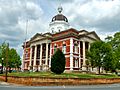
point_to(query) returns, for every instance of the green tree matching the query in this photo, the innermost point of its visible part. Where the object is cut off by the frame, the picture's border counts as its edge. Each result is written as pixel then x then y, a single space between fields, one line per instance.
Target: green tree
pixel 98 53
pixel 87 65
pixel 58 62
pixel 3 49
pixel 115 43
pixel 117 57
pixel 13 57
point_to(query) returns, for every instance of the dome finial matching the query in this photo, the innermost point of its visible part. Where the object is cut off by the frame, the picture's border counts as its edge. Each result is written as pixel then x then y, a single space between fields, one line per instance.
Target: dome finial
pixel 60 9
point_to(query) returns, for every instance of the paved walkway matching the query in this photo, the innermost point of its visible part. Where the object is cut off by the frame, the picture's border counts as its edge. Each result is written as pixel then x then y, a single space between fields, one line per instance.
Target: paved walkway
pixel 9 84
pixel 4 83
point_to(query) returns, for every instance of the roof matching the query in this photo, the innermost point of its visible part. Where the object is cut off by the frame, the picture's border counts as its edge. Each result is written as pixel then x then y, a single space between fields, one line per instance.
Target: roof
pixel 59 17
pixel 75 33
pixel 64 34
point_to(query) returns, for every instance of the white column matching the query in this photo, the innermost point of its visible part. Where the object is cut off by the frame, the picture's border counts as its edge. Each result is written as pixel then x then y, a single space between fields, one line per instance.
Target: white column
pixel 79 56
pixel 40 62
pixel 30 64
pixel 71 53
pixel 35 54
pixel 83 52
pixel 46 62
pixel 89 46
pixel 50 55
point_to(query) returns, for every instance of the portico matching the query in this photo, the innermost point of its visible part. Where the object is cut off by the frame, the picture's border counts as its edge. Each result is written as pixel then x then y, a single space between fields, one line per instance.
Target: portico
pixel 39 53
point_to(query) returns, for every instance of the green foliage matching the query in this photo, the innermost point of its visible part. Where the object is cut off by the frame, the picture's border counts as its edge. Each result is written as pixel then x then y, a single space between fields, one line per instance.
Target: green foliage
pixel 58 62
pixel 100 54
pixel 3 49
pixel 115 43
pixel 13 57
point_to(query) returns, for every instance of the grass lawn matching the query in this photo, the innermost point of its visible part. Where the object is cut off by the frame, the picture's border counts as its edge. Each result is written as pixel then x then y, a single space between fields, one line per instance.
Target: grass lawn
pixel 63 75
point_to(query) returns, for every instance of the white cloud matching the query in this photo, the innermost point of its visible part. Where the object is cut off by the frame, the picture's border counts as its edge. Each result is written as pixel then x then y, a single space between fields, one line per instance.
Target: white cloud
pixel 100 14
pixel 13 16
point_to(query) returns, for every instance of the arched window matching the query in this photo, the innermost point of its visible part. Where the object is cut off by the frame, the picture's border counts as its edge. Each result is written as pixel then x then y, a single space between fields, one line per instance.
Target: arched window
pixel 59 28
pixel 52 29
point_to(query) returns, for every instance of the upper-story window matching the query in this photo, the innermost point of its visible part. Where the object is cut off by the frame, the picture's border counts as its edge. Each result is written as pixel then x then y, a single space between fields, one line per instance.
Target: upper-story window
pixel 26 53
pixel 64 49
pixel 55 48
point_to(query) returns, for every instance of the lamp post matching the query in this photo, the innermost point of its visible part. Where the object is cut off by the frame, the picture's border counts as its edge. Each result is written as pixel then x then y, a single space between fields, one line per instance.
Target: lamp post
pixel 2 65
pixel 7 50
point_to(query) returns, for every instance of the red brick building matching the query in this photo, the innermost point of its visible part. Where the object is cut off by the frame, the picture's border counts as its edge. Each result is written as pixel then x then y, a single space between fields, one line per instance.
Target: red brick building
pixel 74 43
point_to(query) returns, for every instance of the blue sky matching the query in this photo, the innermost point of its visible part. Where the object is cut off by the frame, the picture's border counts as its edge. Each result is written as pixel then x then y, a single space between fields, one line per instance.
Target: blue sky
pixel 102 16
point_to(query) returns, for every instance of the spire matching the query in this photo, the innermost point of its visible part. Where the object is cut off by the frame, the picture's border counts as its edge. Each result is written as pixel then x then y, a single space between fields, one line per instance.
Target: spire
pixel 60 9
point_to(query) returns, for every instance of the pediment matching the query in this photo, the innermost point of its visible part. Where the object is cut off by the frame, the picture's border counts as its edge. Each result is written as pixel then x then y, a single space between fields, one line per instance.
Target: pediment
pixel 93 35
pixel 37 37
pixel 87 39
pixel 82 32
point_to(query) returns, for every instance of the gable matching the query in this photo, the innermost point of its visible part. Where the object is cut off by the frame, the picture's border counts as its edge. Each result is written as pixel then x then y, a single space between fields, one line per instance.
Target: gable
pixel 93 35
pixel 87 39
pixel 37 37
pixel 83 32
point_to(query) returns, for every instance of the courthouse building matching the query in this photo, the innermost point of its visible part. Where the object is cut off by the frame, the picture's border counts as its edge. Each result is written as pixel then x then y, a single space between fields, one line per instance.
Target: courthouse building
pixel 73 43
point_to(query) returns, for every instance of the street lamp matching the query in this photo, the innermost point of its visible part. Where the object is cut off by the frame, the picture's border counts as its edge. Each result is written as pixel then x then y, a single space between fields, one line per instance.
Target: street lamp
pixel 7 49
pixel 2 65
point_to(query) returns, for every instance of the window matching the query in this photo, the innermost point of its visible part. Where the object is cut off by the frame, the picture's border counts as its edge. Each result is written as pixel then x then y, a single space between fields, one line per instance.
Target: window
pixel 76 49
pixel 59 28
pixel 26 54
pixel 64 49
pixel 55 48
pixel 52 29
pixel 76 63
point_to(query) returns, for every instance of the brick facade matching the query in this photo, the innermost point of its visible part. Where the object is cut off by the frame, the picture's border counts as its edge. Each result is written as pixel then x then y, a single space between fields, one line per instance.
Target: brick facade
pixel 74 50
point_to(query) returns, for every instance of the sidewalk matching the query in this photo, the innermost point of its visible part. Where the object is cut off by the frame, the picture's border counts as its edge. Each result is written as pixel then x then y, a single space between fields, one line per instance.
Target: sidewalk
pixel 4 83
pixel 9 84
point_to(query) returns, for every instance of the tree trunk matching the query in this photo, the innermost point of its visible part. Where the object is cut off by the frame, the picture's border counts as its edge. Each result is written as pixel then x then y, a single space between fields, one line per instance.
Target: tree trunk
pixel 99 69
pixel 92 68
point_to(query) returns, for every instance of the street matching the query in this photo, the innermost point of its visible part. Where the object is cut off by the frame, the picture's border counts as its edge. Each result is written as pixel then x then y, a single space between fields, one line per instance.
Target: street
pixel 83 87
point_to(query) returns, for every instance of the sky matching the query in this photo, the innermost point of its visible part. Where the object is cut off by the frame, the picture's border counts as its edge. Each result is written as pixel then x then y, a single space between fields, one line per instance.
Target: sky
pixel 101 16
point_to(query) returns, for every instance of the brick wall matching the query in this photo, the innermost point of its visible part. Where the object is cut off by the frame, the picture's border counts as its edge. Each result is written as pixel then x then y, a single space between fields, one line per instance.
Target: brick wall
pixel 45 81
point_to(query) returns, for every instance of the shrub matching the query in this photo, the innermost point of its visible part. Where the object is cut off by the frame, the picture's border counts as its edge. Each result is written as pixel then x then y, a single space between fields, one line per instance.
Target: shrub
pixel 58 62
